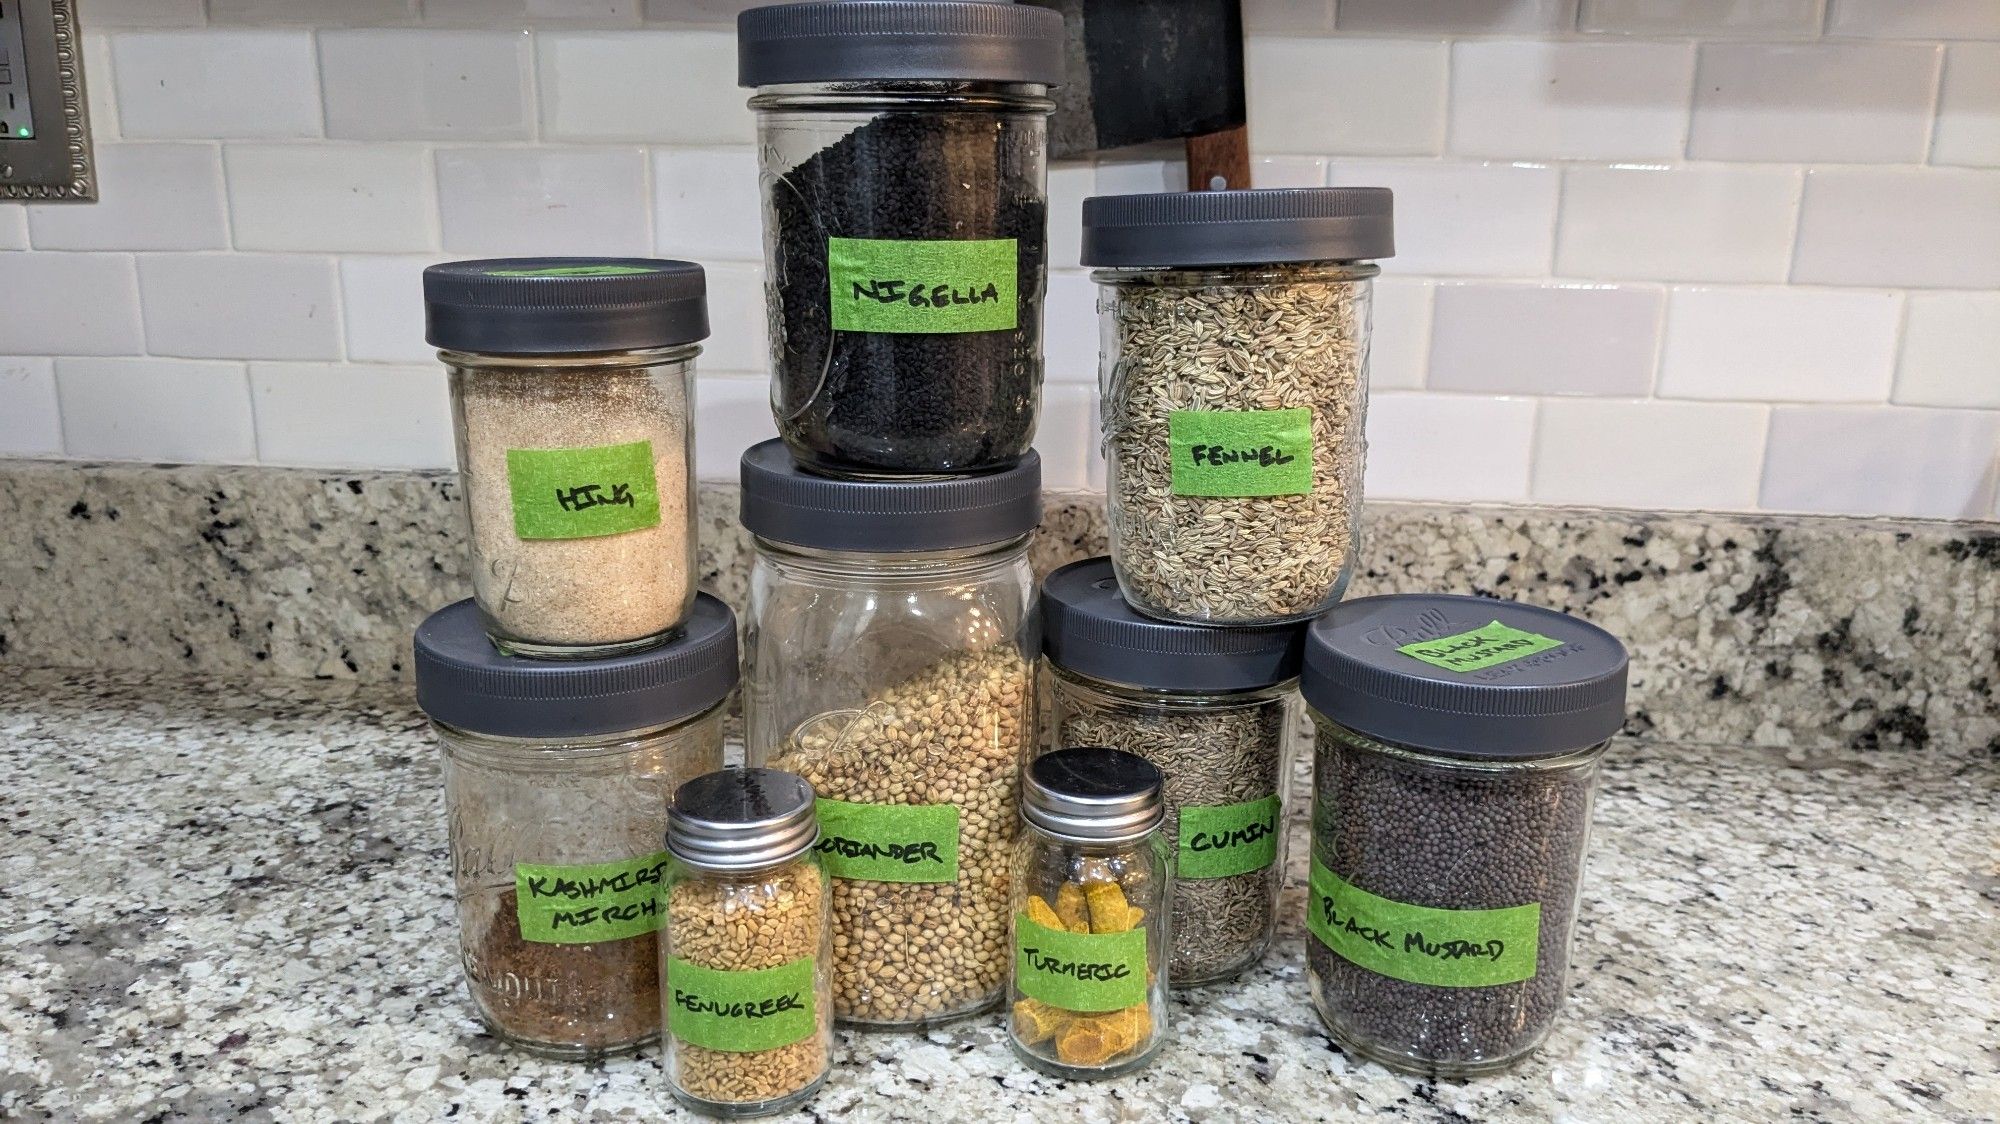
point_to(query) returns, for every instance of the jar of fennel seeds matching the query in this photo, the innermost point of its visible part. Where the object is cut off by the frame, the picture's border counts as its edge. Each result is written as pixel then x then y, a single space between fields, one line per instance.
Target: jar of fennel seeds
pixel 903 153
pixel 1212 707
pixel 572 392
pixel 557 775
pixel 1457 750
pixel 1234 382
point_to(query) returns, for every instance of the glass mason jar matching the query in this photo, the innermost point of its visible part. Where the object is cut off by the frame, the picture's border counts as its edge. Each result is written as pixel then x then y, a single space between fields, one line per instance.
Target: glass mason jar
pixel 903 153
pixel 556 779
pixel 747 1006
pixel 1213 709
pixel 889 662
pixel 1092 885
pixel 572 391
pixel 1234 377
pixel 1457 754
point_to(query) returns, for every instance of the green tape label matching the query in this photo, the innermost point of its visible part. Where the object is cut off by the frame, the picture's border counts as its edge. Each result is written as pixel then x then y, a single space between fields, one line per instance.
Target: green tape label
pixel 1219 840
pixel 583 493
pixel 929 287
pixel 741 1012
pixel 1418 944
pixel 1241 452
pixel 1083 972
pixel 586 904
pixel 573 271
pixel 888 842
pixel 1479 649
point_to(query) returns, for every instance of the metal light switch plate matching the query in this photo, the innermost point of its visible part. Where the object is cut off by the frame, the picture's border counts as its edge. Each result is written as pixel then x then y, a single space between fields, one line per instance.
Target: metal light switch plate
pixel 44 121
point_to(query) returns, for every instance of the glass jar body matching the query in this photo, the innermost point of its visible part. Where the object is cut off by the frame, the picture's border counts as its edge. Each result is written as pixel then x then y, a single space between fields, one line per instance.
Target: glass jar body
pixel 900 687
pixel 556 865
pixel 579 492
pixel 1234 404
pixel 1226 757
pixel 905 241
pixel 1091 934
pixel 1443 899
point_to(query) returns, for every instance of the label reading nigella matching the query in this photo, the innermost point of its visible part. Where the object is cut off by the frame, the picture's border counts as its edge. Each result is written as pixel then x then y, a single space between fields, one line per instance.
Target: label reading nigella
pixel 1083 972
pixel 585 904
pixel 888 842
pixel 583 493
pixel 928 287
pixel 741 1012
pixel 1241 452
pixel 1479 649
pixel 1220 840
pixel 1419 944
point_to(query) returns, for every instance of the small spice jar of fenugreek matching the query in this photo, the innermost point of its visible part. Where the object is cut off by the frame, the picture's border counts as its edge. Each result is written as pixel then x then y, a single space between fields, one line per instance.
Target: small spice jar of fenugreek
pixel 1214 709
pixel 557 775
pixel 1458 744
pixel 1092 885
pixel 890 656
pixel 572 391
pixel 747 945
pixel 1234 383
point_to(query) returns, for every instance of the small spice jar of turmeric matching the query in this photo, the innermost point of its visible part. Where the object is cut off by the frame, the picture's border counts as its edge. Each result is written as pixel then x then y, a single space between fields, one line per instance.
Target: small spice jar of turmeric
pixel 1093 886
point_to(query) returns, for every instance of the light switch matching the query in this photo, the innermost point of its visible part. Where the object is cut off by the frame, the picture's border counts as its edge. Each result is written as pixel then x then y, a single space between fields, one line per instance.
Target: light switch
pixel 44 121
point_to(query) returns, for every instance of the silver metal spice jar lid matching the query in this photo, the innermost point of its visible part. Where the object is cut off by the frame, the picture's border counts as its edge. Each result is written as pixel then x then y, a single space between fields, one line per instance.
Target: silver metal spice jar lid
pixel 784 503
pixel 1262 227
pixel 1088 628
pixel 1090 794
pixel 564 306
pixel 742 819
pixel 886 40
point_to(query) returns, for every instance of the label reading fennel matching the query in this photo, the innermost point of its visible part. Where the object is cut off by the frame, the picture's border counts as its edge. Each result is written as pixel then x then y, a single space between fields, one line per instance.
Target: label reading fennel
pixel 1219 840
pixel 1083 972
pixel 584 904
pixel 927 287
pixel 583 493
pixel 1418 944
pixel 888 842
pixel 1479 649
pixel 1241 452
pixel 741 1012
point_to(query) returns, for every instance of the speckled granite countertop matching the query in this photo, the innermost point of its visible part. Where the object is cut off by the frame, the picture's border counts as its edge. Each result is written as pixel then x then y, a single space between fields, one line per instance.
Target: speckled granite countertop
pixel 229 901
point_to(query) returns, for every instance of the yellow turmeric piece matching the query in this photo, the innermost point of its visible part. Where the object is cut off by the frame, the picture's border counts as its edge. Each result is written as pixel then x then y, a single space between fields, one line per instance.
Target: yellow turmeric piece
pixel 1040 912
pixel 1109 911
pixel 1071 907
pixel 1036 1022
pixel 1093 1040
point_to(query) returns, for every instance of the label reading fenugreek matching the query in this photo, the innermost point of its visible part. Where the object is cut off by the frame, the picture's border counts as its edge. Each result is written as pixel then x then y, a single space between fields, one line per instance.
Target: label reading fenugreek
pixel 1083 972
pixel 1480 648
pixel 889 842
pixel 1419 944
pixel 583 493
pixel 741 1012
pixel 1220 840
pixel 1241 452
pixel 586 904
pixel 925 287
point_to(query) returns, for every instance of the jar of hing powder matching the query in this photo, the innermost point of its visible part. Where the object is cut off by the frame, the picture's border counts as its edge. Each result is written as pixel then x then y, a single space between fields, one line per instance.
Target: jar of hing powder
pixel 557 776
pixel 1457 752
pixel 889 662
pixel 1092 884
pixel 572 387
pixel 903 149
pixel 1212 707
pixel 1235 383
pixel 747 945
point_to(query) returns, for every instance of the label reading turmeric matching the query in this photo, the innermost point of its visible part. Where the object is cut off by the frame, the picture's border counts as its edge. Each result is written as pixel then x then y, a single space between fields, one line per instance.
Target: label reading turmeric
pixel 1083 972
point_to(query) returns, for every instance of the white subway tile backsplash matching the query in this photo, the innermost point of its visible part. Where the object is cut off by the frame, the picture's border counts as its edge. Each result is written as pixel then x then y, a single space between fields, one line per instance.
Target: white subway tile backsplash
pixel 150 197
pixel 1850 102
pixel 1762 18
pixel 145 13
pixel 1070 328
pixel 1951 351
pixel 1418 443
pixel 100 88
pixel 383 84
pixel 352 415
pixel 1066 436
pixel 341 13
pixel 156 410
pixel 70 304
pixel 1279 17
pixel 1287 171
pixel 1399 342
pixel 1712 222
pixel 731 414
pixel 706 204
pixel 1464 219
pixel 569 13
pixel 704 13
pixel 1070 183
pixel 1351 96
pixel 216 84
pixel 1595 99
pixel 672 87
pixel 1968 119
pixel 507 202
pixel 1471 17
pixel 739 341
pixel 1136 177
pixel 30 421
pixel 1920 228
pixel 240 306
pixel 1545 339
pixel 1654 455
pixel 1779 345
pixel 1915 19
pixel 382 306
pixel 14 228
pixel 329 197
pixel 1881 460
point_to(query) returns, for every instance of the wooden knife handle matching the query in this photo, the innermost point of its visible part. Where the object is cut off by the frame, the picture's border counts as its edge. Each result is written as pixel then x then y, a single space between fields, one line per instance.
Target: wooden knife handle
pixel 1219 161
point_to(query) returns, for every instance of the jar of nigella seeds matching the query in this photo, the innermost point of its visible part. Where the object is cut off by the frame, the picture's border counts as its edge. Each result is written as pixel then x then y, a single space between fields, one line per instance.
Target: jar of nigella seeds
pixel 1457 748
pixel 903 153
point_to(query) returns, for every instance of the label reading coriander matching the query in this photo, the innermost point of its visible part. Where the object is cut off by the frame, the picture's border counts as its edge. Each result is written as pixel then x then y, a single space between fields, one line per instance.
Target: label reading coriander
pixel 888 842
pixel 1418 944
pixel 583 493
pixel 1479 649
pixel 926 287
pixel 741 1012
pixel 573 271
pixel 1241 452
pixel 585 904
pixel 1084 972
pixel 1220 840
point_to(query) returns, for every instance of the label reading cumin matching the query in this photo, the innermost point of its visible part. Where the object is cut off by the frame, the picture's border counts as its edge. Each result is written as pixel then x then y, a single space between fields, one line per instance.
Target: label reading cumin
pixel 1241 452
pixel 1220 840
pixel 1420 944
pixel 583 493
pixel 590 903
pixel 888 842
pixel 924 287
pixel 1084 972
pixel 1480 648
pixel 741 1011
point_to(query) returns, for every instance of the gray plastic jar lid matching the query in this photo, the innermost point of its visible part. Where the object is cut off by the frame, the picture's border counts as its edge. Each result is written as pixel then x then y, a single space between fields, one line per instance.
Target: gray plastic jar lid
pixel 888 40
pixel 1088 628
pixel 741 820
pixel 1091 794
pixel 564 306
pixel 784 503
pixel 1551 700
pixel 1288 224
pixel 464 682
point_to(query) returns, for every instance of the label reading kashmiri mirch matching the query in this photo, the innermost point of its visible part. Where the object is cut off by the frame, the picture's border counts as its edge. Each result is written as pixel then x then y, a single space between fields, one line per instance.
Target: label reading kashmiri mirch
pixel 1419 944
pixel 888 842
pixel 584 904
pixel 924 287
